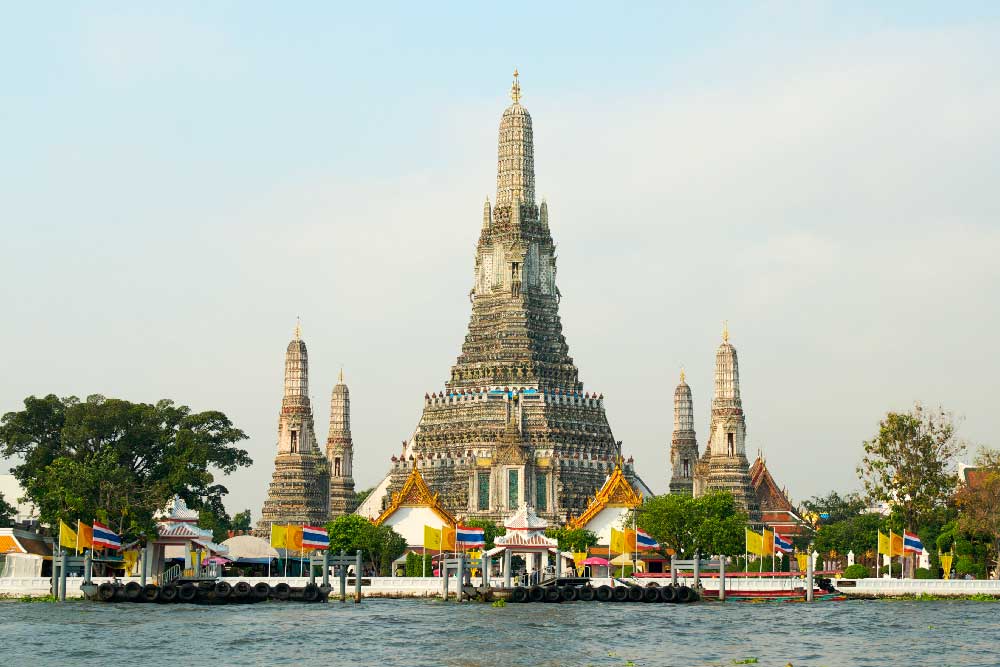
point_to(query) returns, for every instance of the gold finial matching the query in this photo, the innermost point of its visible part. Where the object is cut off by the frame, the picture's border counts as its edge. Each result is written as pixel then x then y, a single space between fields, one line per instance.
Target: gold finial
pixel 682 375
pixel 340 378
pixel 298 328
pixel 515 89
pixel 725 331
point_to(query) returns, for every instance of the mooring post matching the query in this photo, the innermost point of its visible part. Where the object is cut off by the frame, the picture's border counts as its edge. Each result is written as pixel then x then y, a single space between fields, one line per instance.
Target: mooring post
pixel 809 577
pixel 697 570
pixel 312 570
pixel 62 575
pixel 55 575
pixel 143 559
pixel 486 570
pixel 461 576
pixel 443 571
pixel 343 576
pixel 88 567
pixel 326 567
pixel 722 578
pixel 357 578
pixel 506 568
pixel 673 571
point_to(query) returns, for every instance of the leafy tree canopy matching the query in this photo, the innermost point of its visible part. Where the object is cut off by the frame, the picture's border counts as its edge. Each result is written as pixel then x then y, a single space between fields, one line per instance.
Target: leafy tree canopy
pixel 380 545
pixel 710 524
pixel 220 523
pixel 573 539
pixel 7 513
pixel 362 495
pixel 117 461
pixel 837 507
pixel 910 462
pixel 978 502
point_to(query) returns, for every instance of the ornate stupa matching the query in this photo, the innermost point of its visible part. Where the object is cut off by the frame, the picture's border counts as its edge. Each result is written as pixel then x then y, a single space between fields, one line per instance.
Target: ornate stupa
pixel 300 486
pixel 683 443
pixel 513 424
pixel 724 465
pixel 340 451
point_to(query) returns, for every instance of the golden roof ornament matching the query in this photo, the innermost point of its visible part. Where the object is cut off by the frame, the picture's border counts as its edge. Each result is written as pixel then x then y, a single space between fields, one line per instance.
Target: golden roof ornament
pixel 725 331
pixel 682 375
pixel 340 378
pixel 515 89
pixel 298 328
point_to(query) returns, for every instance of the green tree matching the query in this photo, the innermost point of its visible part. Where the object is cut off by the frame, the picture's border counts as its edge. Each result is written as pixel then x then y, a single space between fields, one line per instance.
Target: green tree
pixel 858 534
pixel 910 462
pixel 242 521
pixel 362 495
pixel 117 461
pixel 573 539
pixel 216 519
pixel 978 502
pixel 380 545
pixel 835 506
pixel 491 530
pixel 7 512
pixel 710 524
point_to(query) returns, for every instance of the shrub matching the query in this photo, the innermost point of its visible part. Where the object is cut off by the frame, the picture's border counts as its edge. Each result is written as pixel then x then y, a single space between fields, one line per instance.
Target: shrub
pixel 897 569
pixel 856 571
pixel 923 573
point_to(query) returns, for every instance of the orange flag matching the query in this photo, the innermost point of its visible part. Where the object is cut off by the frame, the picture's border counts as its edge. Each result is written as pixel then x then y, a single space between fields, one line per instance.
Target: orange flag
pixel 293 538
pixel 447 538
pixel 895 544
pixel 84 536
pixel 630 541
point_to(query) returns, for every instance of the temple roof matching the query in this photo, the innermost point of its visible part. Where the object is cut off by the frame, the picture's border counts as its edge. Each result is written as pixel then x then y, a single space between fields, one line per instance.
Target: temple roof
pixel 178 510
pixel 416 493
pixel 616 492
pixel 525 529
pixel 525 518
pixel 770 497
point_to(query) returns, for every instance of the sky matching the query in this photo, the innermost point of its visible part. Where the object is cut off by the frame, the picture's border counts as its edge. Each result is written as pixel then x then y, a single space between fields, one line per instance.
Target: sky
pixel 179 182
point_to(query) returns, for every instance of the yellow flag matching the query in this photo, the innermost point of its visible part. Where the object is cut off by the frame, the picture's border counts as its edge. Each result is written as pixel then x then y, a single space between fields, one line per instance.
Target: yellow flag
pixel 895 544
pixel 617 541
pixel 578 558
pixel 131 558
pixel 630 541
pixel 447 538
pixel 293 537
pixel 432 538
pixel 278 536
pixel 84 536
pixel 754 542
pixel 946 564
pixel 803 560
pixel 883 543
pixel 767 542
pixel 67 537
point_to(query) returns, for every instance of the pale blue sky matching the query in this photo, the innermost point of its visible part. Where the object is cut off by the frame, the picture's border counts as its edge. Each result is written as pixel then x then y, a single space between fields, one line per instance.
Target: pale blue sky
pixel 177 183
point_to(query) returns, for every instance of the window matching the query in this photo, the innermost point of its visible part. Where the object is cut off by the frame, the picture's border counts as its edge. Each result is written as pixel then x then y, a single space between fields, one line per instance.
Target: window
pixel 541 491
pixel 512 489
pixel 295 441
pixel 483 481
pixel 686 468
pixel 336 467
pixel 730 441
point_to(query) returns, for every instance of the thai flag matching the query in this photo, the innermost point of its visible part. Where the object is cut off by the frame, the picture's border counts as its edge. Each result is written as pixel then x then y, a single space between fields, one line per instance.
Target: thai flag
pixel 782 544
pixel 315 538
pixel 470 537
pixel 912 543
pixel 644 541
pixel 104 537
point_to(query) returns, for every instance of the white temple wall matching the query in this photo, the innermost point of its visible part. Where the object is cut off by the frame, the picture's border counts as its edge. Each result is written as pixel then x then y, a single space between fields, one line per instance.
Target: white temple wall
pixel 605 520
pixel 410 521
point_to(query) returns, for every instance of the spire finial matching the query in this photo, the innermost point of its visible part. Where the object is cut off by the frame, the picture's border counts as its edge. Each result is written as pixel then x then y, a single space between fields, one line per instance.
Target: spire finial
pixel 340 378
pixel 725 331
pixel 515 89
pixel 298 328
pixel 682 375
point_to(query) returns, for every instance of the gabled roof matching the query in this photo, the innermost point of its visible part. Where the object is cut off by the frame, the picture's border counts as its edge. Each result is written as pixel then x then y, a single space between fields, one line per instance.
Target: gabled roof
pixel 525 518
pixel 616 492
pixel 770 497
pixel 416 493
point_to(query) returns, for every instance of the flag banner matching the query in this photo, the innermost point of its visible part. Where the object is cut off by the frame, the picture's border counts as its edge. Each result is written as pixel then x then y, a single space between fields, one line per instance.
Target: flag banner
pixel 782 545
pixel 84 536
pixel 883 543
pixel 630 544
pixel 617 541
pixel 644 541
pixel 314 537
pixel 104 537
pixel 767 542
pixel 467 537
pixel 278 536
pixel 912 543
pixel 803 561
pixel 432 538
pixel 754 542
pixel 448 538
pixel 895 544
pixel 67 536
pixel 946 564
pixel 293 538
pixel 131 558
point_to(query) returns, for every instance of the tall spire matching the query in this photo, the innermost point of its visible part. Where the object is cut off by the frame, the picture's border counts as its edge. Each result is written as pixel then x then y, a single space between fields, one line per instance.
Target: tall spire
pixel 683 443
pixel 515 154
pixel 298 328
pixel 297 369
pixel 340 451
pixel 727 375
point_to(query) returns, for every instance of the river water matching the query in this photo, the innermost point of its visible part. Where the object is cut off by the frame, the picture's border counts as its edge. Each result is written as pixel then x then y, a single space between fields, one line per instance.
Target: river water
pixel 422 632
